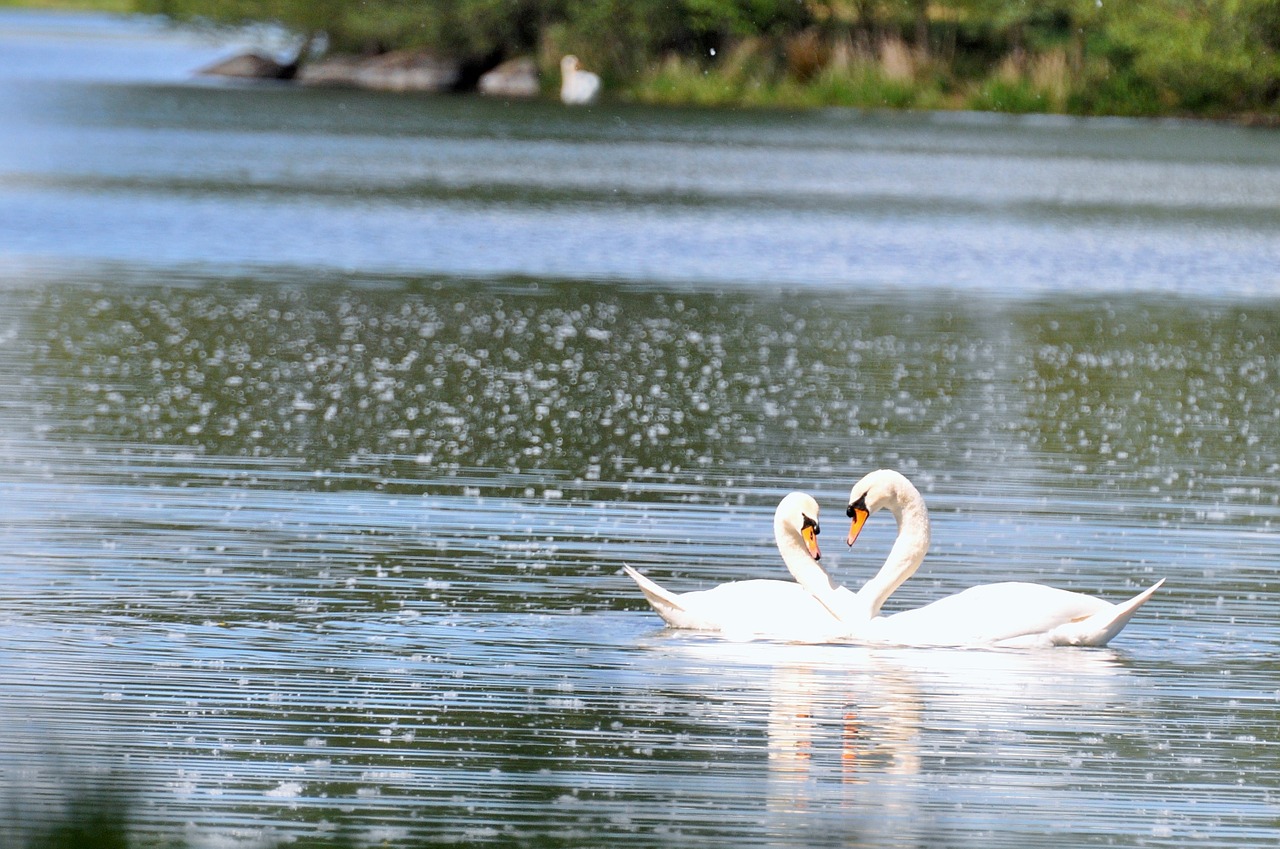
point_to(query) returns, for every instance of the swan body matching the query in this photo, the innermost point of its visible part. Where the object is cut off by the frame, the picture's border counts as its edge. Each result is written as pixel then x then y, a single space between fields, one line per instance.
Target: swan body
pixel 1008 614
pixel 577 87
pixel 763 608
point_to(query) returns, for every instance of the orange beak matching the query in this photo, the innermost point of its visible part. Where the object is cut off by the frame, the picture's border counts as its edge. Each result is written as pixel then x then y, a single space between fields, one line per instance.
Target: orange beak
pixel 810 534
pixel 860 515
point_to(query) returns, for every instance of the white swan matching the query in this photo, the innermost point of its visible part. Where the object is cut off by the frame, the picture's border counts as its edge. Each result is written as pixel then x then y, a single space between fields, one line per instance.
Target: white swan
pixel 1003 614
pixel 763 608
pixel 577 87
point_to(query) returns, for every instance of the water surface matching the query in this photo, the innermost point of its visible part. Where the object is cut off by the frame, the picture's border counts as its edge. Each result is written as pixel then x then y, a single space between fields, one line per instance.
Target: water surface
pixel 327 421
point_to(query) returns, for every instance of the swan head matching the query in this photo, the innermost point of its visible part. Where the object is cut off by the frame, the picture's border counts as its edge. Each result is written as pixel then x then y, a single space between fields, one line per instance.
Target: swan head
pixel 569 64
pixel 877 490
pixel 797 514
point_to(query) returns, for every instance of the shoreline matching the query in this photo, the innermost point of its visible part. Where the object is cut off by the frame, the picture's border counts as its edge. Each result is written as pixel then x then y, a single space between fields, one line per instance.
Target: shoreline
pixel 644 95
pixel 756 73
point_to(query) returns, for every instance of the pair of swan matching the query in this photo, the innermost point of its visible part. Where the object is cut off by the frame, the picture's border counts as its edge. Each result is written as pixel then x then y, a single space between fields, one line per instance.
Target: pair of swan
pixel 814 608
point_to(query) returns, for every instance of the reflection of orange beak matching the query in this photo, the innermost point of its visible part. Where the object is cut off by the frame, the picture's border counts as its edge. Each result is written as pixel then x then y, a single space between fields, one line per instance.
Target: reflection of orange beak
pixel 859 519
pixel 811 540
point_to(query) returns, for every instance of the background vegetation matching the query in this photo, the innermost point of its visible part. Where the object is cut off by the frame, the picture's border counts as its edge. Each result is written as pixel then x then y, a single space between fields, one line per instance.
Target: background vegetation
pixel 1197 57
pixel 1154 57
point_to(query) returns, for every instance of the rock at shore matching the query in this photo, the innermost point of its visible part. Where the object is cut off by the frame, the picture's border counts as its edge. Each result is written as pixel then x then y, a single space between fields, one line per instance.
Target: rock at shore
pixel 401 70
pixel 251 66
pixel 513 78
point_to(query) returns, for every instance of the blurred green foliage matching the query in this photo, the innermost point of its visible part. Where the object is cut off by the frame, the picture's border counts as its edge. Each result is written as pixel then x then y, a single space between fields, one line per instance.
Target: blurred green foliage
pixel 1201 57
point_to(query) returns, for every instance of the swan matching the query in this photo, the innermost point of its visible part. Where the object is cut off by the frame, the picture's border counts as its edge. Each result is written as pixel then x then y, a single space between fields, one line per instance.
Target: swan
pixel 1008 614
pixel 577 87
pixel 763 608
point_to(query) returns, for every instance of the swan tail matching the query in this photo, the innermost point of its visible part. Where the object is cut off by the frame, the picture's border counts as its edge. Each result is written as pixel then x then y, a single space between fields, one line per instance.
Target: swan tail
pixel 1101 627
pixel 665 602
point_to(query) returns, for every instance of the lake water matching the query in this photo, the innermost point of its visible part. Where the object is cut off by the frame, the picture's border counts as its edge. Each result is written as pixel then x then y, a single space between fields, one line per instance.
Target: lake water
pixel 328 420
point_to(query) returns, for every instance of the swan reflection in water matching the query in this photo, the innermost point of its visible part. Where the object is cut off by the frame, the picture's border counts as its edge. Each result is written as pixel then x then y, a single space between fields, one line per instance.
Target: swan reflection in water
pixel 850 730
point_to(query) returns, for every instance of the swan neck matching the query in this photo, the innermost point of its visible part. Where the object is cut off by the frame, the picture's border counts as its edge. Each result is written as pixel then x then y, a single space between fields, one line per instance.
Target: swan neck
pixel 907 506
pixel 806 571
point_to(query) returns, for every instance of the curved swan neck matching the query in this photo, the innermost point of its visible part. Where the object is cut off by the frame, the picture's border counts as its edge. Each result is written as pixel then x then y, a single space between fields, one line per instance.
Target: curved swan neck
pixel 906 504
pixel 802 567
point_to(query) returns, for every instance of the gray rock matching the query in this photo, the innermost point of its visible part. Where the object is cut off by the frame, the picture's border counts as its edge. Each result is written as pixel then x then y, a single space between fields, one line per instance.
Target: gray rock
pixel 513 78
pixel 401 70
pixel 251 66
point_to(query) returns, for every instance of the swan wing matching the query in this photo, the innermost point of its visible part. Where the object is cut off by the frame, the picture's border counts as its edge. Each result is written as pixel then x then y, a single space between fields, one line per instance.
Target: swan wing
pixel 666 603
pixel 1010 614
pixel 745 609
pixel 580 87
pixel 1098 629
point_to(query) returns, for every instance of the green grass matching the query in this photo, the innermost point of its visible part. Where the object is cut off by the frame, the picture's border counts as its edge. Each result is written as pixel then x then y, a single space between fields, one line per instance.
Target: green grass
pixel 757 83
pixel 1013 96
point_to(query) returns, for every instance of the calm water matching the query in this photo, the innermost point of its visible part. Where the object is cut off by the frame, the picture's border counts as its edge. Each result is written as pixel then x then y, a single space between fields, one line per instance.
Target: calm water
pixel 327 421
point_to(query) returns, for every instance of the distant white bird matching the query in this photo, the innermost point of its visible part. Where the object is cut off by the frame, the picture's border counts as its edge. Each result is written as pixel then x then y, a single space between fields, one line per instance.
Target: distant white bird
pixel 577 87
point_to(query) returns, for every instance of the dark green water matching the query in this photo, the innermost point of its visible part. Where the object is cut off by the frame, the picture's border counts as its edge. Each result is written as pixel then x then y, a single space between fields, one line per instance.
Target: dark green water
pixel 328 420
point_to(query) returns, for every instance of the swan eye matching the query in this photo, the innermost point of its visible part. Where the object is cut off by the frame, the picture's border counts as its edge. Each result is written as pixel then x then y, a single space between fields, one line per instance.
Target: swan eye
pixel 810 523
pixel 854 506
